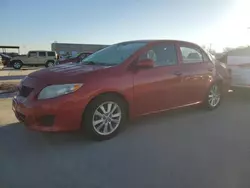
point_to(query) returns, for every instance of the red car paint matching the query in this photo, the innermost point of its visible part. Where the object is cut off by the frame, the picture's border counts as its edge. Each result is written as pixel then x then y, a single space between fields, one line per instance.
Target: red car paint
pixel 76 59
pixel 145 90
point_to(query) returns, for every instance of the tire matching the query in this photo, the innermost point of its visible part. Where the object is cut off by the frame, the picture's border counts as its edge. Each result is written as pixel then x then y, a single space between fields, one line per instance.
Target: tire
pixel 17 64
pixel 103 126
pixel 214 97
pixel 49 64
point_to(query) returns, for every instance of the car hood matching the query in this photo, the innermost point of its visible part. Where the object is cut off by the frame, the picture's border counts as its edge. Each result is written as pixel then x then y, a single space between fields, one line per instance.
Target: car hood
pixel 65 73
pixel 6 56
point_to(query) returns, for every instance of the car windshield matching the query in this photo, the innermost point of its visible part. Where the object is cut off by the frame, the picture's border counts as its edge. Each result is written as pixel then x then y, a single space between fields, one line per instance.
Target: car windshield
pixel 115 54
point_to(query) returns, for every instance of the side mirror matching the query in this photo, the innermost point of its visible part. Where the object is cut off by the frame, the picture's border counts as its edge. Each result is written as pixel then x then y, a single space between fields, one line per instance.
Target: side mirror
pixel 145 63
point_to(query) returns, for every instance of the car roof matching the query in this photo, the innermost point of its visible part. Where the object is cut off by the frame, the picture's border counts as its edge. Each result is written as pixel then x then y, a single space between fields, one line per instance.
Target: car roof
pixel 160 40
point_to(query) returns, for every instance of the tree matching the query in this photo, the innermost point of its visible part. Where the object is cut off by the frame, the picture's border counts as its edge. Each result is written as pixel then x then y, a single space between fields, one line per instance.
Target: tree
pixel 227 49
pixel 212 51
pixel 209 49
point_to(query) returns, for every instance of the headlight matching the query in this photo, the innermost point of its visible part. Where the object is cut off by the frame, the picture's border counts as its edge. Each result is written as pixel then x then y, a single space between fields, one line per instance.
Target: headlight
pixel 58 90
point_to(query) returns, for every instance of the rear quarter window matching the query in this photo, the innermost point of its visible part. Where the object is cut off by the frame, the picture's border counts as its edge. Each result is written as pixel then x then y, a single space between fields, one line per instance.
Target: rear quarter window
pixel 51 54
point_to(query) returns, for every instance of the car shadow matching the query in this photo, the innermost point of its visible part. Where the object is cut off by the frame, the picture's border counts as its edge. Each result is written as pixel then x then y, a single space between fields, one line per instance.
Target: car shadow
pixel 166 116
pixel 241 97
pixel 22 134
pixel 18 133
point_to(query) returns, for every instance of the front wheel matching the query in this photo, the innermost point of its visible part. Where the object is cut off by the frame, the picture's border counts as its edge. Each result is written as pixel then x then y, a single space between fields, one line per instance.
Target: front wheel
pixel 17 64
pixel 104 117
pixel 214 97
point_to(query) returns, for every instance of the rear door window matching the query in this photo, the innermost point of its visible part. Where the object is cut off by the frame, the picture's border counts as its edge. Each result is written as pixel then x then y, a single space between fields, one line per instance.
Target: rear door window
pixel 51 54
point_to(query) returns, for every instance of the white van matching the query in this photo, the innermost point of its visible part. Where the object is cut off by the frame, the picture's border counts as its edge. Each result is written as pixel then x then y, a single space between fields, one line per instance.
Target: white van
pixel 240 70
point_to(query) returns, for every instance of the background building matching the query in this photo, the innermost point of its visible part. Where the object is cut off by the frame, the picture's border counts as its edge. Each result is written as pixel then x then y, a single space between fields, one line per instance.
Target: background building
pixel 73 49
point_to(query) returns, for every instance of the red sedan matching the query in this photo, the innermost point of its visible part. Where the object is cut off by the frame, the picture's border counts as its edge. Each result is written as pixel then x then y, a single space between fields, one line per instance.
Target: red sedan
pixel 122 81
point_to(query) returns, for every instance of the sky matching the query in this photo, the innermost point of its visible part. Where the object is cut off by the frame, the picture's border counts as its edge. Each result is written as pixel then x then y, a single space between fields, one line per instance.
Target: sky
pixel 35 24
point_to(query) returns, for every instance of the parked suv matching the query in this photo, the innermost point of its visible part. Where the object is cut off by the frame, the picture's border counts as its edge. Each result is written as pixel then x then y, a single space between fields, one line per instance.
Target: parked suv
pixel 34 58
pixel 125 80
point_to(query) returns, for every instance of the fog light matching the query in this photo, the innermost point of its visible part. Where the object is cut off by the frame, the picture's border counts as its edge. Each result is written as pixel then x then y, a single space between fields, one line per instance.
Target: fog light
pixel 47 120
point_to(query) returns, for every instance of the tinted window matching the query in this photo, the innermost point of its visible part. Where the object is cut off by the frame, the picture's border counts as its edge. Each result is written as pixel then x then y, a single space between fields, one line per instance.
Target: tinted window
pixel 191 55
pixel 51 53
pixel 32 54
pixel 115 54
pixel 42 54
pixel 162 55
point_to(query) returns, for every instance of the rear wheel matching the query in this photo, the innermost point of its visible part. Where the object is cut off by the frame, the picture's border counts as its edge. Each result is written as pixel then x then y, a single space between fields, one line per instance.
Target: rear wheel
pixel 17 64
pixel 214 97
pixel 104 117
pixel 49 64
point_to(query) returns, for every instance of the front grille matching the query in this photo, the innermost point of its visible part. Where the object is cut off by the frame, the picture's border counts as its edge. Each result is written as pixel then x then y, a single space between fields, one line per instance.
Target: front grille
pixel 25 91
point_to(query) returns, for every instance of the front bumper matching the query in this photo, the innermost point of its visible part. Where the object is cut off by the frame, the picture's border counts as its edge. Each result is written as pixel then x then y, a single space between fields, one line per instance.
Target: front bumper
pixel 47 116
pixel 63 113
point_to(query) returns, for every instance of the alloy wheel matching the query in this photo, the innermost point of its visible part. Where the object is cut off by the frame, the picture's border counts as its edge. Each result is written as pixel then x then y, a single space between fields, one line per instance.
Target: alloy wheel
pixel 17 65
pixel 50 64
pixel 214 96
pixel 107 118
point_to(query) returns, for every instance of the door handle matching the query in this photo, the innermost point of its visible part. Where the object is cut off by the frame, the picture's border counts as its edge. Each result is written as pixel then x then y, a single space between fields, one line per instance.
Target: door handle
pixel 177 73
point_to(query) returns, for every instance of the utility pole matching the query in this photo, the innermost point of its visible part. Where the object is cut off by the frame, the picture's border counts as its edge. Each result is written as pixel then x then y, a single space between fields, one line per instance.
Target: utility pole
pixel 210 46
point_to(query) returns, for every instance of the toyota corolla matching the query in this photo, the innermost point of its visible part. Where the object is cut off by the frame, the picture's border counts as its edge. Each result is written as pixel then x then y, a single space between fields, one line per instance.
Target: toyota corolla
pixel 120 82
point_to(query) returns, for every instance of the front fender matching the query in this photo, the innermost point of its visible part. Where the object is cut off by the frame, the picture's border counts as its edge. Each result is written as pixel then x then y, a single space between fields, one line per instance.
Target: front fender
pixel 16 59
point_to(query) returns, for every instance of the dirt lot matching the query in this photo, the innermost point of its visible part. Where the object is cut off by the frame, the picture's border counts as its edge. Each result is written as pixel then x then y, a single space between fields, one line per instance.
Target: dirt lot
pixel 6 114
pixel 8 86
